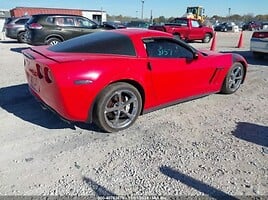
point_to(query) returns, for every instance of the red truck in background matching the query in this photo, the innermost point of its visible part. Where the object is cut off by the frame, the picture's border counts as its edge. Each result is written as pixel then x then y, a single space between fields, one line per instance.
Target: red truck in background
pixel 186 29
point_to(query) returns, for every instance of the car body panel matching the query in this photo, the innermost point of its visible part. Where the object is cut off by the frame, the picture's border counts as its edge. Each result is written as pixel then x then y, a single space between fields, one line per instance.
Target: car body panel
pixel 63 27
pixel 259 41
pixel 78 78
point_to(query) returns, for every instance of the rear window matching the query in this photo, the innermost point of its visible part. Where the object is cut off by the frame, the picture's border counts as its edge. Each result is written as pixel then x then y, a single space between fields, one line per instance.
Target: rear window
pixel 103 42
pixel 22 21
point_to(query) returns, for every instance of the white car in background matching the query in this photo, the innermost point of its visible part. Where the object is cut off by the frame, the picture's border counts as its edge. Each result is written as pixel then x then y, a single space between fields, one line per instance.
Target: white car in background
pixel 259 43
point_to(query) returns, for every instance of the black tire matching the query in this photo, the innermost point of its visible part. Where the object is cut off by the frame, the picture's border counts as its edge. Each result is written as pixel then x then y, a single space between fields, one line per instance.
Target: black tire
pixel 53 41
pixel 117 107
pixel 233 79
pixel 21 37
pixel 207 38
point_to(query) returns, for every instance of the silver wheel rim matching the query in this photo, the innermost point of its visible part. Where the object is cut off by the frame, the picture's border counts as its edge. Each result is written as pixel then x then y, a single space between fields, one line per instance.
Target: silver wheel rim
pixel 23 38
pixel 54 42
pixel 121 109
pixel 235 78
pixel 207 38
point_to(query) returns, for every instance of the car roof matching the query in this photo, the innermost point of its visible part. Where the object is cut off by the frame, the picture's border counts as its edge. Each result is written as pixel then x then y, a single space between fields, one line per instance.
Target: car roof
pixel 39 15
pixel 18 18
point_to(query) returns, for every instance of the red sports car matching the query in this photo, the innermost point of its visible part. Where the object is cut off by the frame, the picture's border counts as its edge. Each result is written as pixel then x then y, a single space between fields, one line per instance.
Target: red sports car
pixel 112 77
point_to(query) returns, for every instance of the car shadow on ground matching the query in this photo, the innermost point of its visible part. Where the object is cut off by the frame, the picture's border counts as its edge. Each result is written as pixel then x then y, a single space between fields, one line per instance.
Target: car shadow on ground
pixel 9 41
pixel 99 190
pixel 18 50
pixel 18 100
pixel 196 184
pixel 250 58
pixel 252 133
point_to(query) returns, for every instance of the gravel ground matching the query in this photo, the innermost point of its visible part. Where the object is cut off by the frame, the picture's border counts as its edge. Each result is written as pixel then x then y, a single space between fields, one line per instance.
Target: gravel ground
pixel 212 146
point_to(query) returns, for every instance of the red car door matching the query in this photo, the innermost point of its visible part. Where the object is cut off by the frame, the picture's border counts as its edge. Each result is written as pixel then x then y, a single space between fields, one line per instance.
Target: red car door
pixel 196 32
pixel 175 73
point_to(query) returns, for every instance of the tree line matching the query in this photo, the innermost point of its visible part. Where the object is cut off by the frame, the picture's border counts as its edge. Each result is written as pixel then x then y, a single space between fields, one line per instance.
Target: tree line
pixel 163 19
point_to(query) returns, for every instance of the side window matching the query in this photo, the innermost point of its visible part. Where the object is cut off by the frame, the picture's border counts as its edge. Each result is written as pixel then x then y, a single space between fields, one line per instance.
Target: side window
pixel 195 24
pixel 21 21
pixel 69 21
pixel 50 20
pixel 181 22
pixel 163 48
pixel 59 21
pixel 84 23
pixel 63 21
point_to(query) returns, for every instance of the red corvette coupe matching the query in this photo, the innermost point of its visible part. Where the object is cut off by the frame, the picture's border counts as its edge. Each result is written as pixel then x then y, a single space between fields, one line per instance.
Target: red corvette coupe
pixel 112 77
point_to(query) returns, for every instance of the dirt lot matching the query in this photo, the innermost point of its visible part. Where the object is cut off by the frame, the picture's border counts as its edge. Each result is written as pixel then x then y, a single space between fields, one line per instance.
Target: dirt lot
pixel 214 146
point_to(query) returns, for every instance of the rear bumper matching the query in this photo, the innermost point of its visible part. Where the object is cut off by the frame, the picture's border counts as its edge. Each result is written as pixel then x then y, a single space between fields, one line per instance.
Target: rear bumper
pixel 10 33
pixel 259 45
pixel 34 38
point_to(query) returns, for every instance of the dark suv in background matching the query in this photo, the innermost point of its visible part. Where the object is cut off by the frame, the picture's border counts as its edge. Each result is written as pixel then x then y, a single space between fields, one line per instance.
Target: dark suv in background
pixel 251 26
pixel 50 29
pixel 15 28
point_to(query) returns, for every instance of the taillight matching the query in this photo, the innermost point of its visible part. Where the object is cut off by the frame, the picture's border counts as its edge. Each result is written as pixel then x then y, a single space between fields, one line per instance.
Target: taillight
pixel 260 35
pixel 35 26
pixel 8 26
pixel 40 73
pixel 48 76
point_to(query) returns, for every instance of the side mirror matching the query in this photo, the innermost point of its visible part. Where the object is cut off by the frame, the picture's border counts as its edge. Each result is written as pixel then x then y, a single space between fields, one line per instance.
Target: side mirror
pixel 195 55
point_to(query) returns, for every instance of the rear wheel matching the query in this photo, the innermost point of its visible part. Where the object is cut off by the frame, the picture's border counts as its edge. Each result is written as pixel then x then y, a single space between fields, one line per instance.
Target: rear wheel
pixel 207 38
pixel 53 41
pixel 21 37
pixel 234 79
pixel 117 107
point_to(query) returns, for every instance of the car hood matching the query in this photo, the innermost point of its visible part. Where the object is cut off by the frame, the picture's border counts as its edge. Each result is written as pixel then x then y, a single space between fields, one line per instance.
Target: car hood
pixel 208 52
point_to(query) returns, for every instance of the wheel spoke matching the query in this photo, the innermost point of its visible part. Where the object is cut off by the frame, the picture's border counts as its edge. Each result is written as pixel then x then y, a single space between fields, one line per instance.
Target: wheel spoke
pixel 116 121
pixel 111 109
pixel 238 78
pixel 130 101
pixel 129 115
pixel 119 94
pixel 237 72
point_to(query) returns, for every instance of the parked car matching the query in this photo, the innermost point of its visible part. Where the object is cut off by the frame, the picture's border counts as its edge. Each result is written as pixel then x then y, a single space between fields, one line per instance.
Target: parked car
pixel 15 28
pixel 111 77
pixel 138 24
pixel 109 25
pixel 224 27
pixel 251 26
pixel 186 29
pixel 264 25
pixel 50 29
pixel 259 43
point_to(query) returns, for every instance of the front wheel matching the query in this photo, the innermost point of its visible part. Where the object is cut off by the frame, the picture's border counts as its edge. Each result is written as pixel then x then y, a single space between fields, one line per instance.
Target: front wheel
pixel 233 79
pixel 117 107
